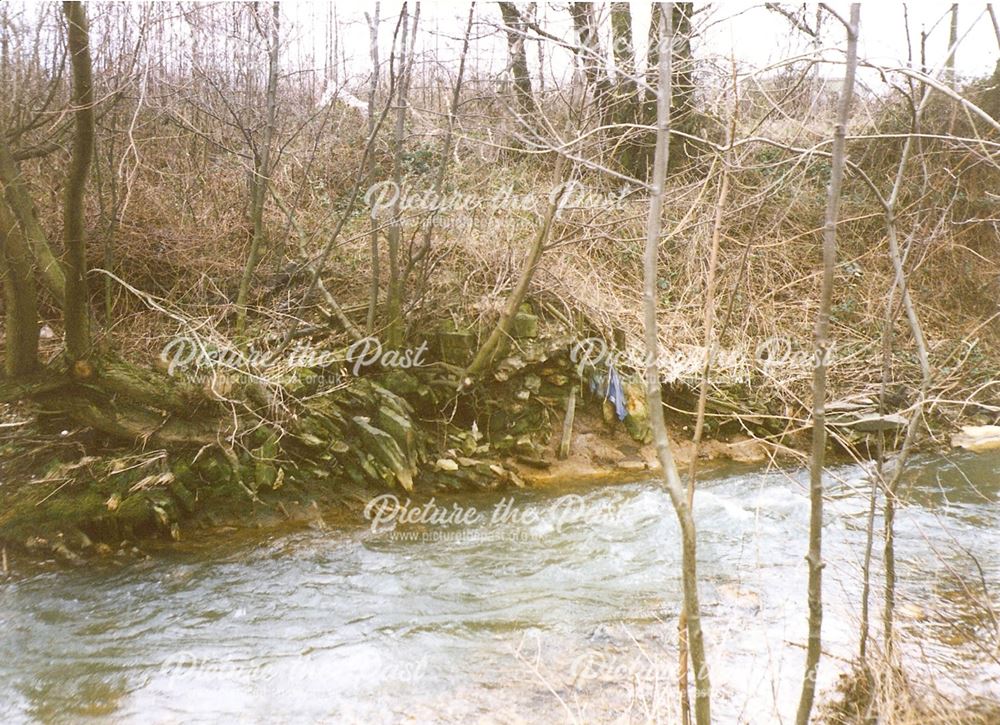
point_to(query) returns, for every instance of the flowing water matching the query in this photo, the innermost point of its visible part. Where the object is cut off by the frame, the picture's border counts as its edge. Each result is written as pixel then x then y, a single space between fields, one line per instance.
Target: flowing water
pixel 538 606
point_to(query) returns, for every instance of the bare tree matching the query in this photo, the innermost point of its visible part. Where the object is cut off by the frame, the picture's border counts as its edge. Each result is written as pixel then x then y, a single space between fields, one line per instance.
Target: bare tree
pixel 628 99
pixel 664 452
pixel 685 118
pixel 23 209
pixel 394 290
pixel 993 20
pixel 262 173
pixel 420 256
pixel 822 353
pixel 709 337
pixel 590 55
pixel 20 297
pixel 362 175
pixel 373 21
pixel 76 309
pixel 516 30
pixel 949 67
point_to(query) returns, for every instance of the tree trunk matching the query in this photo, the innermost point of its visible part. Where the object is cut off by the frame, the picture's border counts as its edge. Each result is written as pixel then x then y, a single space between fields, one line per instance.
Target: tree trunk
pixel 627 100
pixel 993 19
pixel 516 31
pixel 683 117
pixel 76 308
pixel 592 59
pixel 373 22
pixel 20 203
pixel 20 297
pixel 663 448
pixel 262 175
pixel 584 25
pixel 949 65
pixel 621 39
pixel 394 291
pixel 822 351
pixel 709 341
pixel 653 53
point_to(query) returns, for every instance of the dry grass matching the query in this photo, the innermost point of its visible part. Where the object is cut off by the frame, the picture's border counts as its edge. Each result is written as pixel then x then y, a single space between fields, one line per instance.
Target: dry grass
pixel 183 238
pixel 884 694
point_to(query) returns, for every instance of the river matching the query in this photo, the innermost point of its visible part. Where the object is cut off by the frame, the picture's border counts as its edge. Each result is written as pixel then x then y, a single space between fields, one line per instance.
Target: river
pixel 542 606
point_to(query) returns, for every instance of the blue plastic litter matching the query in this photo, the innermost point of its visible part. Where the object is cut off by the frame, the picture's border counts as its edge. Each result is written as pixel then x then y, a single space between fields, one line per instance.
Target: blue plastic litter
pixel 615 393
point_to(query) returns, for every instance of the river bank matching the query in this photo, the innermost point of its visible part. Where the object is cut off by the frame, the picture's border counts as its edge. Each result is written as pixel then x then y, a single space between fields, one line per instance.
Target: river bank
pixel 123 507
pixel 545 416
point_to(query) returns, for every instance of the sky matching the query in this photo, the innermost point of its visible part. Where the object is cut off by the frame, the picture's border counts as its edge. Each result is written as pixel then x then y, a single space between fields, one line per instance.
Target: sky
pixel 755 36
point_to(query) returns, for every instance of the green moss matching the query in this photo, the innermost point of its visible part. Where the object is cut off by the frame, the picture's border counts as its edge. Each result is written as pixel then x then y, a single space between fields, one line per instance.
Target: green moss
pixel 23 517
pixel 184 497
pixel 134 516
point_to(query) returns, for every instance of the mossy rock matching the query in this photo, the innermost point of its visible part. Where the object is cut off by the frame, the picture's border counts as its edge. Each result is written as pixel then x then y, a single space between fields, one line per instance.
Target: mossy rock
pixel 401 429
pixel 530 421
pixel 265 472
pixel 525 326
pixel 384 449
pixel 24 517
pixel 134 517
pixel 456 346
pixel 183 496
pixel 213 470
pixel 393 400
pixel 637 413
pixel 525 445
pixel 408 386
